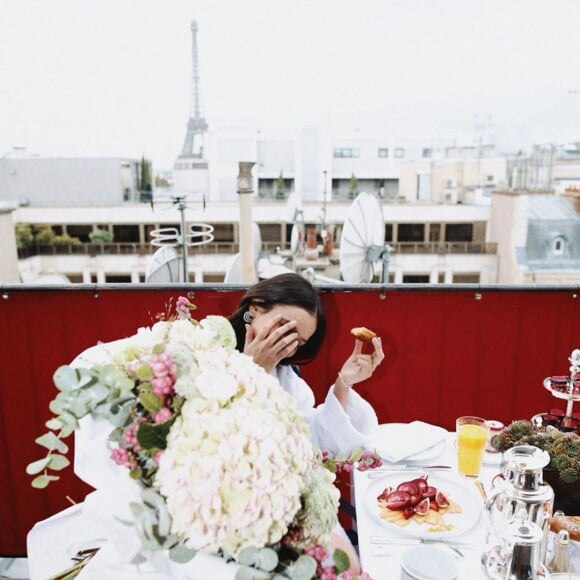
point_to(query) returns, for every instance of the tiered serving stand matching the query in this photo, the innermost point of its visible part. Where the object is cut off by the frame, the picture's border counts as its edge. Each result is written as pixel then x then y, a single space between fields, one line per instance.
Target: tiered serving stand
pixel 566 388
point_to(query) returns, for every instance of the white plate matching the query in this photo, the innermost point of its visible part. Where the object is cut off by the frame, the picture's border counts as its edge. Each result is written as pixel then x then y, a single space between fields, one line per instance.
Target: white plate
pixel 389 432
pixel 459 492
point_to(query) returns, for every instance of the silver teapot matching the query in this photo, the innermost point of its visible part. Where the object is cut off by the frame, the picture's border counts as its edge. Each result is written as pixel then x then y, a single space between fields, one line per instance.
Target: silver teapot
pixel 518 557
pixel 520 491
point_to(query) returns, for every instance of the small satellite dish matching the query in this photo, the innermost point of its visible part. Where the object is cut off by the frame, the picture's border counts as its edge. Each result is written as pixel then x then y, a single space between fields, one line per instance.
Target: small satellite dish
pixel 165 267
pixel 293 207
pixel 272 265
pixel 54 278
pixel 362 242
pixel 295 239
pixel 234 272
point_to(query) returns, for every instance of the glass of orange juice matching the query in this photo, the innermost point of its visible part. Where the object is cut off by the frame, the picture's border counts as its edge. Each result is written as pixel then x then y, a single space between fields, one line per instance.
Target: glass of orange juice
pixel 471 439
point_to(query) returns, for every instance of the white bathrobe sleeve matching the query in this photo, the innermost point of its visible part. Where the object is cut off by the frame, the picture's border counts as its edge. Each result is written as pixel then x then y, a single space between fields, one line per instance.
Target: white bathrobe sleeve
pixel 332 427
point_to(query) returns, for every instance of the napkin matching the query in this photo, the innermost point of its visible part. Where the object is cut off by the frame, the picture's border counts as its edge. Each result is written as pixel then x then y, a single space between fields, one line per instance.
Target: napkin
pixel 397 441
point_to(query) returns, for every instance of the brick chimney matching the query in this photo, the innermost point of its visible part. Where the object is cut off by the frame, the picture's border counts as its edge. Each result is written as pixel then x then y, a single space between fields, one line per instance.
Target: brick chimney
pixel 573 194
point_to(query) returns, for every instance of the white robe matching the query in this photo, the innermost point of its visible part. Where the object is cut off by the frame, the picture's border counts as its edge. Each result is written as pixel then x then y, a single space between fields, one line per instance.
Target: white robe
pixel 95 522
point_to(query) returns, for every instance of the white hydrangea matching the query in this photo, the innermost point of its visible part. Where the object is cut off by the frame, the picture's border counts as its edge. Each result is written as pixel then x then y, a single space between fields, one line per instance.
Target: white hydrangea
pixel 237 458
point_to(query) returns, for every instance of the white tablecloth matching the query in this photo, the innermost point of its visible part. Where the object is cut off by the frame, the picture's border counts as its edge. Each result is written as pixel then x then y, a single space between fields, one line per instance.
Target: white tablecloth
pixel 383 562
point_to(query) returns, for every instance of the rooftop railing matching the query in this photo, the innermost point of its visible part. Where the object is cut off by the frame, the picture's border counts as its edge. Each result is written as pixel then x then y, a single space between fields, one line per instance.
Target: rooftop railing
pixel 449 351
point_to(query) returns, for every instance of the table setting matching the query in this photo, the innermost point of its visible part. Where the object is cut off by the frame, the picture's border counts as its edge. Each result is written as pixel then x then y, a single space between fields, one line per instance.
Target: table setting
pixel 447 543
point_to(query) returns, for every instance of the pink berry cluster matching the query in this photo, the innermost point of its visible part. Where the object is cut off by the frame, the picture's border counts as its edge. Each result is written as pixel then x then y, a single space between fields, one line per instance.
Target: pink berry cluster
pixel 164 374
pixel 123 457
pixel 183 307
pixel 363 461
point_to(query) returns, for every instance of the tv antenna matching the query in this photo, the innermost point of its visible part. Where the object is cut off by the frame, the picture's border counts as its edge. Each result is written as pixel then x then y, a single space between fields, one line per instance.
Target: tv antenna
pixel 197 234
pixel 362 242
pixel 295 215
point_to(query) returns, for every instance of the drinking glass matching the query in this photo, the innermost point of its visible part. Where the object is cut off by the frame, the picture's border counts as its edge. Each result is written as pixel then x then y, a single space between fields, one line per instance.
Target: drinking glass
pixel 471 439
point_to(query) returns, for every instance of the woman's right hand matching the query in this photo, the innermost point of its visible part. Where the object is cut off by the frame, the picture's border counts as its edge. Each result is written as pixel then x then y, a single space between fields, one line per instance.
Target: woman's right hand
pixel 276 340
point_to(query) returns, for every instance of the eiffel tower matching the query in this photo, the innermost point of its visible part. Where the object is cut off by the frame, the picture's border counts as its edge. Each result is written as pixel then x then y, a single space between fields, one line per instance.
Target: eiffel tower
pixel 197 125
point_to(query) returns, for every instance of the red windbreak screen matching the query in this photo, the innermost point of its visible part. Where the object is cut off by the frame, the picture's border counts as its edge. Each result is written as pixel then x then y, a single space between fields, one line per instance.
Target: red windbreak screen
pixel 449 352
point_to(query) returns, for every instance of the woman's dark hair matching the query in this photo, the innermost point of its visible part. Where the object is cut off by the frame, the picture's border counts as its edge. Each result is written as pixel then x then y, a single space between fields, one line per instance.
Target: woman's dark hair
pixel 291 290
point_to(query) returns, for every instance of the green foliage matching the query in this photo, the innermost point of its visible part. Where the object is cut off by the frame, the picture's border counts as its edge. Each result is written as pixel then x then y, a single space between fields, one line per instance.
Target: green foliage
pixel 161 181
pixel 99 236
pixel 353 187
pixel 563 448
pixel 96 392
pixel 24 235
pixel 280 187
pixel 44 236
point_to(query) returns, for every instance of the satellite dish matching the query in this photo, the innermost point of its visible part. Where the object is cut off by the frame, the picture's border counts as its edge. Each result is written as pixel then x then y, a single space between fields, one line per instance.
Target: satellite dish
pixel 362 242
pixel 271 266
pixel 234 272
pixel 54 278
pixel 295 239
pixel 293 207
pixel 165 267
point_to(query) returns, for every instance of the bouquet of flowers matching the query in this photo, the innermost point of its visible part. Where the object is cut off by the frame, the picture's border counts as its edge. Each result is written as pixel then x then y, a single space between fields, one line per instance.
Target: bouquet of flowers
pixel 223 459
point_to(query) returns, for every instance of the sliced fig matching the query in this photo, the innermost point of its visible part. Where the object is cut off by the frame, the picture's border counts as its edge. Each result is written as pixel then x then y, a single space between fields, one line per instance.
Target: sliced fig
pixel 415 499
pixel 433 505
pixel 408 512
pixel 385 492
pixel 409 486
pixel 430 492
pixel 421 483
pixel 398 500
pixel 441 500
pixel 422 508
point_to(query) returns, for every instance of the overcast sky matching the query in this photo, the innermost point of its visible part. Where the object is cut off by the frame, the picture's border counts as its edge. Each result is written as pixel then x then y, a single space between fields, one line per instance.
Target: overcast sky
pixel 113 77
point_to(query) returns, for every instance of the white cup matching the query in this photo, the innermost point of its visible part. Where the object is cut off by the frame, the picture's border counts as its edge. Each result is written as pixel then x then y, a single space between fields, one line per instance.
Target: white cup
pixel 428 563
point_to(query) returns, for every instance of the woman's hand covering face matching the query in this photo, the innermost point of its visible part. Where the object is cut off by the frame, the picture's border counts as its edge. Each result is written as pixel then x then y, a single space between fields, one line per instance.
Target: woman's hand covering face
pixel 272 341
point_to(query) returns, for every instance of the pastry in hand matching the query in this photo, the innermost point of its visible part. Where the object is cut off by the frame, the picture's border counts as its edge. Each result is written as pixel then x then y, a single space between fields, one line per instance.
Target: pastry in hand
pixel 363 333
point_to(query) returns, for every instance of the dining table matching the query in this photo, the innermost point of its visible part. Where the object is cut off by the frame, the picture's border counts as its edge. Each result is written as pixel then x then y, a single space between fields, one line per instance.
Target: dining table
pixel 382 545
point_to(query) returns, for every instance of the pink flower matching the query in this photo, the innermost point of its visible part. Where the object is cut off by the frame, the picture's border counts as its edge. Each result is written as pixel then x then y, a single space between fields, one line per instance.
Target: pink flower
pixel 318 552
pixel 162 386
pixel 182 306
pixel 328 573
pixel 164 414
pixel 120 456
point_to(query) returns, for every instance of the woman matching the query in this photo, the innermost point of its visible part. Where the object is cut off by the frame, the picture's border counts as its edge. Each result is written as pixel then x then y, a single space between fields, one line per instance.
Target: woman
pixel 280 322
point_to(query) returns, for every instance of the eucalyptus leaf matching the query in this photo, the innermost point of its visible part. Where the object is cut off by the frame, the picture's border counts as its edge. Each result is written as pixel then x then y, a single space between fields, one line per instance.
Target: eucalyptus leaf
pixel 37 466
pixel 52 442
pixel 341 560
pixel 248 573
pixel 42 481
pixel 85 377
pixel 58 462
pixel 115 378
pixel 248 556
pixel 303 569
pixel 55 424
pixel 267 559
pixel 96 394
pixel 181 554
pixel 65 378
